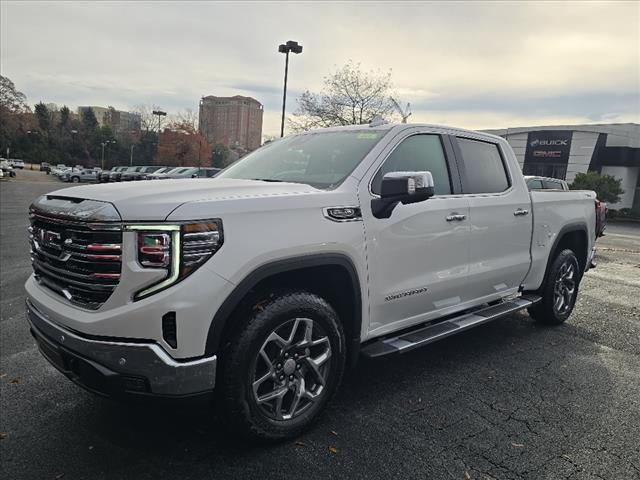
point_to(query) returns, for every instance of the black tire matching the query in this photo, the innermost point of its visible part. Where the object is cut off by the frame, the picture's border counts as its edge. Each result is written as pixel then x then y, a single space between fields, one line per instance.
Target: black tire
pixel 547 310
pixel 243 415
pixel 75 179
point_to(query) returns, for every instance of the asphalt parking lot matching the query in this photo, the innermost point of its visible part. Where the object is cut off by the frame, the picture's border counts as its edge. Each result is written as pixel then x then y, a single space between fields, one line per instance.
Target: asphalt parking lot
pixel 509 400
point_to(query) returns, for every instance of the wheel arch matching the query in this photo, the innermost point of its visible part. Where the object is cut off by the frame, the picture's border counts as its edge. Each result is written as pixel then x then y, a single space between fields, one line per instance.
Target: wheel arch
pixel 343 291
pixel 574 236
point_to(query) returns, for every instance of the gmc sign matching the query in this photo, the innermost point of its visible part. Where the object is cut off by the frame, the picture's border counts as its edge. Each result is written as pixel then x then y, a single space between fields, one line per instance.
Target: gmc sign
pixel 552 146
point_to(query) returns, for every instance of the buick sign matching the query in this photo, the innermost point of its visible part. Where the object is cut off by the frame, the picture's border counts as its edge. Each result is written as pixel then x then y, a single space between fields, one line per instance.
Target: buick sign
pixel 548 146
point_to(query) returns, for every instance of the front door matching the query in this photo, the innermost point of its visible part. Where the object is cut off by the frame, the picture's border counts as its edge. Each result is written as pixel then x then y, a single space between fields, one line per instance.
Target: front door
pixel 418 257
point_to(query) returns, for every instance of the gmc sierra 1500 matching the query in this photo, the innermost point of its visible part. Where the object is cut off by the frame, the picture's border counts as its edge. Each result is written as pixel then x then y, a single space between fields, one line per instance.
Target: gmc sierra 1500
pixel 265 281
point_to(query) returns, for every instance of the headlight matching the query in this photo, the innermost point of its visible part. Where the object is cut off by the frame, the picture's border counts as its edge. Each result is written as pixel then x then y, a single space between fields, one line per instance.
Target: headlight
pixel 179 249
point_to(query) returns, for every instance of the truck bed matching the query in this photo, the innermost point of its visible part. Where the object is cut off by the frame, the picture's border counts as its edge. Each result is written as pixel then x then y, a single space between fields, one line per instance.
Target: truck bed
pixel 552 212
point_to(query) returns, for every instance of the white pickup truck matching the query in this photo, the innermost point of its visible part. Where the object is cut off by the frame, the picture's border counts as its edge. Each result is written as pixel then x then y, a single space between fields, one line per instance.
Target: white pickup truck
pixel 267 280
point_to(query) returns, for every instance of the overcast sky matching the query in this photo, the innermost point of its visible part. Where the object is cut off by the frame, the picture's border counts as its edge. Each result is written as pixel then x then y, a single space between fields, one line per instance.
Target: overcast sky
pixel 468 64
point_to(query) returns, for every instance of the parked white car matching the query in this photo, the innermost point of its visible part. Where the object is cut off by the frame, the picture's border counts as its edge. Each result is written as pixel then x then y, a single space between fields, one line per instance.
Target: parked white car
pixel 16 163
pixel 269 279
pixel 7 169
pixel 547 183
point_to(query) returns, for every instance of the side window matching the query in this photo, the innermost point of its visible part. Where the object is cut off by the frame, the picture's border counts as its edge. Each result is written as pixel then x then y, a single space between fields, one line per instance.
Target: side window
pixel 535 185
pixel 417 153
pixel 484 168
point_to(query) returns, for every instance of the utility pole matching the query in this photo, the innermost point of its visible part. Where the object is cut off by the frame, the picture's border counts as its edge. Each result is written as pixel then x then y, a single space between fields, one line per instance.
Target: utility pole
pixel 131 158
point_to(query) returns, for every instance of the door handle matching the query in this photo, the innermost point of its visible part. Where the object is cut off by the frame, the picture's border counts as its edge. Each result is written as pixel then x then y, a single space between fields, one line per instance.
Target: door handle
pixel 520 212
pixel 455 217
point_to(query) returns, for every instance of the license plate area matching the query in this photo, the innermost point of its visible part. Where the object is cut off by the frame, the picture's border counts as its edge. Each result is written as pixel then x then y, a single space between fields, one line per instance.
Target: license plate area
pixel 51 353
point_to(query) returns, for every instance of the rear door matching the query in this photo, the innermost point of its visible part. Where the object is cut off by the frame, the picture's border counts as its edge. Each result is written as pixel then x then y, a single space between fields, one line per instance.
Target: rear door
pixel 417 258
pixel 500 219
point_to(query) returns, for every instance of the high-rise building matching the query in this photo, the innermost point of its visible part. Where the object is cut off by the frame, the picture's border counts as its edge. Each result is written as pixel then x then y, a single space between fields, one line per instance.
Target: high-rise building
pixel 235 122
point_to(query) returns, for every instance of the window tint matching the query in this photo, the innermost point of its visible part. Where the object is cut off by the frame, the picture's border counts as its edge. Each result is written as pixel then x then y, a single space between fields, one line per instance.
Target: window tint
pixel 535 185
pixel 418 153
pixel 483 165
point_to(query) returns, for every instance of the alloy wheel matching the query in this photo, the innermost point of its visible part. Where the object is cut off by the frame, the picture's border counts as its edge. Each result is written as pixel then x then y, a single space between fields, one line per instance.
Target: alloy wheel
pixel 564 288
pixel 291 369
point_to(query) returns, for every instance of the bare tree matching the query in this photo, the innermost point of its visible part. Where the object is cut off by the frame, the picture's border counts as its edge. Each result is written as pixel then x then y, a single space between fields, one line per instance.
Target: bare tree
pixel 11 99
pixel 350 96
pixel 148 121
pixel 184 121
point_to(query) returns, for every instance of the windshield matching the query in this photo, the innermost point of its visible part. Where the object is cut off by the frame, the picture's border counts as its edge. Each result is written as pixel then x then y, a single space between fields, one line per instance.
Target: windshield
pixel 322 160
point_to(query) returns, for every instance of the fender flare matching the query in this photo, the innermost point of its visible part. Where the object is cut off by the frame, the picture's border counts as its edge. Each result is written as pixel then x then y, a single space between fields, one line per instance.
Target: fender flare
pixel 572 227
pixel 217 326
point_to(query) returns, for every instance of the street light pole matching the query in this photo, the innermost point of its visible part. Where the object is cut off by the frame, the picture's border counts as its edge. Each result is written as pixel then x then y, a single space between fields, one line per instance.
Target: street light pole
pixel 160 114
pixel 73 141
pixel 284 93
pixel 103 144
pixel 131 159
pixel 285 48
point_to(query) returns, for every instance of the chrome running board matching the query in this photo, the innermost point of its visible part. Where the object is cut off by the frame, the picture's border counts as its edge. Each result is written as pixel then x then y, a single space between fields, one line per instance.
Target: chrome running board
pixel 431 333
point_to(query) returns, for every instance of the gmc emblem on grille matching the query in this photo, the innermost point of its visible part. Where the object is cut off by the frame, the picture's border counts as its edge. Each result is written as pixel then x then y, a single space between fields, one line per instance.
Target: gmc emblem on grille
pixel 47 237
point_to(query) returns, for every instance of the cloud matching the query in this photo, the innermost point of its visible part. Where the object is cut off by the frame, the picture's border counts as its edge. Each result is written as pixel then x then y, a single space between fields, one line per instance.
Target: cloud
pixel 520 61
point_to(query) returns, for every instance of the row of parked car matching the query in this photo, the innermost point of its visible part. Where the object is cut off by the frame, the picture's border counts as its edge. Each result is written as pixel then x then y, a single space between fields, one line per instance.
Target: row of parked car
pixel 13 162
pixel 128 174
pixel 79 173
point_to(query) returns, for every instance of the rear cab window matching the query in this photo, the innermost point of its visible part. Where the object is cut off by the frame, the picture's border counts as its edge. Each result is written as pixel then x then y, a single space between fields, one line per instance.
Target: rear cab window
pixel 535 184
pixel 484 167
pixel 551 185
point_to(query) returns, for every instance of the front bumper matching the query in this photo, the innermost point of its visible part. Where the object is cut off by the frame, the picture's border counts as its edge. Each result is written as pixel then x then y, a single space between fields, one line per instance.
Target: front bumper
pixel 114 368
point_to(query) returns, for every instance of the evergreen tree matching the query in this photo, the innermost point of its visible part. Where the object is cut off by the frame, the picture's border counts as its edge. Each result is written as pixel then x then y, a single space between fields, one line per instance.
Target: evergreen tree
pixel 43 116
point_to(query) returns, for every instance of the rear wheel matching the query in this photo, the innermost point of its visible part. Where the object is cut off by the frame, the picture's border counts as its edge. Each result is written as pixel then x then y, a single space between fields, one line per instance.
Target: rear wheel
pixel 560 290
pixel 75 179
pixel 283 367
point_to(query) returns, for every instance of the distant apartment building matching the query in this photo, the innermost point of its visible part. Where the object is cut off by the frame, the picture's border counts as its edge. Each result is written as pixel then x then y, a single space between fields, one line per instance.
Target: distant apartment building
pixel 121 122
pixel 101 113
pixel 235 122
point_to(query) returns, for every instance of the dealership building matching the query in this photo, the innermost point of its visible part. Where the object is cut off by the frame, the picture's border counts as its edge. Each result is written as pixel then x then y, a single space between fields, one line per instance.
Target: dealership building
pixel 562 151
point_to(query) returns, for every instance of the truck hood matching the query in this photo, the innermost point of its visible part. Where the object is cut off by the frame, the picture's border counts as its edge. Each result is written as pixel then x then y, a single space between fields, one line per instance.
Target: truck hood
pixel 155 199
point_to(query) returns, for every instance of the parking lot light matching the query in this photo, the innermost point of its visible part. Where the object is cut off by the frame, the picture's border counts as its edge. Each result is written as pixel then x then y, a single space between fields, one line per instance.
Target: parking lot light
pixel 103 144
pixel 285 48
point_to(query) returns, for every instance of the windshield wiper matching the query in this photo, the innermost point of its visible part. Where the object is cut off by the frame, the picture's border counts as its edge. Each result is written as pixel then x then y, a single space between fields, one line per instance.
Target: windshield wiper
pixel 267 180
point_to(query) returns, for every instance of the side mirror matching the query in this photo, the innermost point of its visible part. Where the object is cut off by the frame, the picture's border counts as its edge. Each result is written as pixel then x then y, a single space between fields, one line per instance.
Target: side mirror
pixel 401 187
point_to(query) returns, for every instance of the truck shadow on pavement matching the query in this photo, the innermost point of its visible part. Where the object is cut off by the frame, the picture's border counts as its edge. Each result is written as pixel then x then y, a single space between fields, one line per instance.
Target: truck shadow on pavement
pixel 507 399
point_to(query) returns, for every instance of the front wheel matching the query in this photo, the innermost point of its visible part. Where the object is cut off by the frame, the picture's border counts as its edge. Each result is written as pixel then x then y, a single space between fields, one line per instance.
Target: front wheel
pixel 283 367
pixel 75 179
pixel 560 290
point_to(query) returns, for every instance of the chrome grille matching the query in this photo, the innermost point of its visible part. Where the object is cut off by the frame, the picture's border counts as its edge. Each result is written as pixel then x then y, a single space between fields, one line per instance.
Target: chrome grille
pixel 80 261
